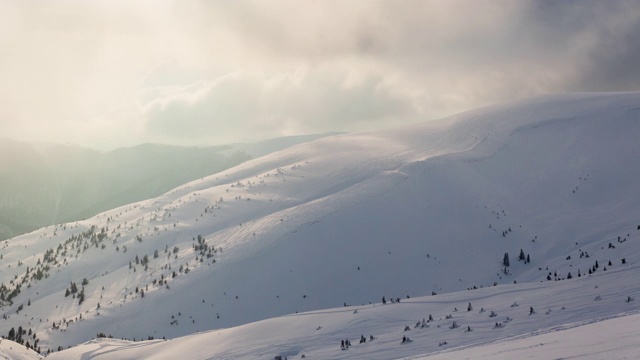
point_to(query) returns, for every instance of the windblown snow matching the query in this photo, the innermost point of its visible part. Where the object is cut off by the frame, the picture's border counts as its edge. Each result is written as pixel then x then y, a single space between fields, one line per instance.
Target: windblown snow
pixel 250 259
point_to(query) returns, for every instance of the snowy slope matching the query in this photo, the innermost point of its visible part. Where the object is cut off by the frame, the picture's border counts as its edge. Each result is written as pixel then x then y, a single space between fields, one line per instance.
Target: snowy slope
pixel 611 339
pixel 10 350
pixel 567 321
pixel 348 219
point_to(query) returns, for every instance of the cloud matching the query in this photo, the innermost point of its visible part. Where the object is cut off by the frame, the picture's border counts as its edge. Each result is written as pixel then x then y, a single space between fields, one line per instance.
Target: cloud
pixel 243 105
pixel 123 72
pixel 413 60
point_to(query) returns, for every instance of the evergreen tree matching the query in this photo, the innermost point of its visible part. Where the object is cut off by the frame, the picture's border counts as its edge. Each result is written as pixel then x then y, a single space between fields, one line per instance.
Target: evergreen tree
pixel 505 260
pixel 81 297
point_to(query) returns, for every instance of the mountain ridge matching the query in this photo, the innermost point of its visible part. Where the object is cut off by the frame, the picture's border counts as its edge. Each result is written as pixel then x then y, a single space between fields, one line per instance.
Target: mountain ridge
pixel 348 219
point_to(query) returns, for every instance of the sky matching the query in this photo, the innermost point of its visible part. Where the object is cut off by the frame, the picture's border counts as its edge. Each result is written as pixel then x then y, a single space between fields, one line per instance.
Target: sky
pixel 105 74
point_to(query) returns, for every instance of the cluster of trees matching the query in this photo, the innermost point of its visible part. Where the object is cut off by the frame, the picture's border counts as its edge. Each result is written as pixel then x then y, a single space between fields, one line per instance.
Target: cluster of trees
pixel 384 300
pixel 144 261
pixel 202 249
pixel 81 242
pixel 522 257
pixel 22 336
pixel 73 290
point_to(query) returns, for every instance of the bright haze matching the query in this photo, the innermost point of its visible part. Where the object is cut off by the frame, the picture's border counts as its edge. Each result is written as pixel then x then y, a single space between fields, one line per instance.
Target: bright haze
pixel 105 74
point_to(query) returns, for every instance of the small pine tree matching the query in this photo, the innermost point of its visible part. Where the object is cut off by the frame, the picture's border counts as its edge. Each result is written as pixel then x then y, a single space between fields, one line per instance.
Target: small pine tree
pixel 522 256
pixel 505 260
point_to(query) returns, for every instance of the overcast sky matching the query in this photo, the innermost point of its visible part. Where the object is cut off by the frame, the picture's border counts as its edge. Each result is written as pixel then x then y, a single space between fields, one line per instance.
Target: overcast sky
pixel 111 73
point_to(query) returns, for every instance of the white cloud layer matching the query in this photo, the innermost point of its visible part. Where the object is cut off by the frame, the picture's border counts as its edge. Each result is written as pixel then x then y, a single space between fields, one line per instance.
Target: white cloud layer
pixel 249 106
pixel 118 73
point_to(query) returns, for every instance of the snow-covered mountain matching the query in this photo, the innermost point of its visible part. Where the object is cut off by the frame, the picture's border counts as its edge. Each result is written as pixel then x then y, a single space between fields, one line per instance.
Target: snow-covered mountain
pixel 586 317
pixel 426 209
pixel 264 147
pixel 43 183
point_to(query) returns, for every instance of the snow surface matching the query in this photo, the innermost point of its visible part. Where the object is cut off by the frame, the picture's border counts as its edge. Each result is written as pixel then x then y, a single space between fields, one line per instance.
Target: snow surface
pixel 346 220
pixel 10 350
pixel 562 310
pixel 610 339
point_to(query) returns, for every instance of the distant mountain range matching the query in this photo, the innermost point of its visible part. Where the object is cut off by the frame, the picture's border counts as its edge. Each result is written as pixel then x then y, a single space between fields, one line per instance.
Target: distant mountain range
pixel 47 183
